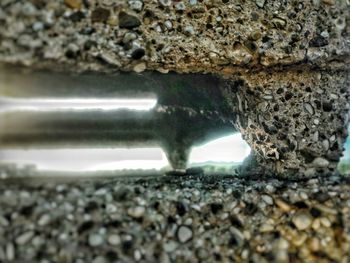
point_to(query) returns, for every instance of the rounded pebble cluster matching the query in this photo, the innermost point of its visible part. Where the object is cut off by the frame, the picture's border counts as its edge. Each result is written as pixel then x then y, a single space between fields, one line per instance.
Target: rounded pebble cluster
pixel 176 219
pixel 295 121
pixel 163 35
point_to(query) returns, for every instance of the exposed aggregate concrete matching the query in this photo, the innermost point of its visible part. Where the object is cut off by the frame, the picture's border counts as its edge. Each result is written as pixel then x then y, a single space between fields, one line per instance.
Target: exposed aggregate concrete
pixel 184 36
pixel 286 65
pixel 296 46
pixel 294 121
pixel 176 219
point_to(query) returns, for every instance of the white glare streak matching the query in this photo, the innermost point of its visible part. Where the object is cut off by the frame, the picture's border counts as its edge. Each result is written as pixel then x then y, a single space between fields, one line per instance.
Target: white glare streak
pixel 80 160
pixel 230 149
pixel 11 104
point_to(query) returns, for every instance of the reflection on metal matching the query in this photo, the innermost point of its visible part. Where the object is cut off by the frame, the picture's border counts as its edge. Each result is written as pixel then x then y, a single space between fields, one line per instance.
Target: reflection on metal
pixel 230 149
pixel 44 104
pixel 87 160
pixel 42 110
pixel 223 152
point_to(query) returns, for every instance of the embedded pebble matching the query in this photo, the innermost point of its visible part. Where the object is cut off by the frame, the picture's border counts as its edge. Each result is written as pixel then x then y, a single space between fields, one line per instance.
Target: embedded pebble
pixel 10 251
pixel 44 220
pixel 260 3
pixel 114 240
pixel 184 234
pixel 3 221
pixel 95 240
pixel 100 259
pixel 24 238
pixel 138 217
pixel 136 5
pixel 165 2
pixel 267 199
pixel 75 4
pixel 320 162
pixel 128 21
pixel 136 212
pixel 302 220
pixel 309 108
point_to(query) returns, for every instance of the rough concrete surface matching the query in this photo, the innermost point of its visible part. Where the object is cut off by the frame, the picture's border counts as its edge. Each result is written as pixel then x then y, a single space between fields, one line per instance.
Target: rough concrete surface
pixel 184 36
pixel 284 69
pixel 288 60
pixel 176 219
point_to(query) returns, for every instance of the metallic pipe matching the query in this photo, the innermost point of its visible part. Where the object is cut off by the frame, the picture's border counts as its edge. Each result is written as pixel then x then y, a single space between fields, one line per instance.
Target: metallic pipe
pixel 190 110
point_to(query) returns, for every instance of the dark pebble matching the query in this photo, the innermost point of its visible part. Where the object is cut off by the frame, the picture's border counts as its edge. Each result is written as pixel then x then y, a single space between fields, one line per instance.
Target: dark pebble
pixel 85 226
pixel 194 171
pixel 77 16
pixel 315 212
pixel 318 41
pixel 216 207
pixel 301 205
pixel 181 208
pixel 321 197
pixel 236 222
pixel 100 15
pixel 250 209
pixel 138 53
pixel 128 21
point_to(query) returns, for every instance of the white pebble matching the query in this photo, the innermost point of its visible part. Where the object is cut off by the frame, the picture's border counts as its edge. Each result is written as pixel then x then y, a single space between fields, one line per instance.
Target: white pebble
pixel 114 240
pixel 95 240
pixel 184 234
pixel 136 212
pixel 267 199
pixel 24 238
pixel 44 220
pixel 10 252
pixel 320 162
pixel 302 220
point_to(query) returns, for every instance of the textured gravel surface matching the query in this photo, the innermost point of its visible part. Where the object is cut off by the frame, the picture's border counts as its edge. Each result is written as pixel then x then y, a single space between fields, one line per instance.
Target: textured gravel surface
pixel 192 218
pixel 185 36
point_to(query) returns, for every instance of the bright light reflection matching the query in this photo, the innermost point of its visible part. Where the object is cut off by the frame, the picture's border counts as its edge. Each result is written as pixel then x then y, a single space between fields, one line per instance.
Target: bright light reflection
pixel 229 149
pixel 80 160
pixel 8 104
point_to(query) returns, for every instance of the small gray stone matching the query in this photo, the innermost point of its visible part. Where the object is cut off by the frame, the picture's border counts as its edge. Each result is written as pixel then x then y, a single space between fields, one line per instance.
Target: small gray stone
pixel 128 37
pixel 38 26
pixel 44 220
pixel 320 162
pixel 100 259
pixel 95 240
pixel 184 234
pixel 10 251
pixel 189 30
pixel 170 246
pixel 260 3
pixel 165 2
pixel 302 220
pixel 110 208
pixel 24 238
pixel 309 108
pixel 136 5
pixel 136 212
pixel 128 21
pixel 180 6
pixel 114 239
pixel 3 221
pixel 168 24
pixel 279 22
pixel 325 144
pixel 267 199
